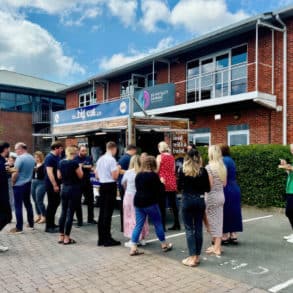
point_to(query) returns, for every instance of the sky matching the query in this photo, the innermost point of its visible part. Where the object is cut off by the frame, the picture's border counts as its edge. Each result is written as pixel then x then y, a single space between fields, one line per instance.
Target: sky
pixel 68 41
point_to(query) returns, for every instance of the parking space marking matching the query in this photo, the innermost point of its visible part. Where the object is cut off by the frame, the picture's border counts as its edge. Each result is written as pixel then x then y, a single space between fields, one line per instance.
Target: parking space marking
pixel 281 286
pixel 258 218
pixel 183 233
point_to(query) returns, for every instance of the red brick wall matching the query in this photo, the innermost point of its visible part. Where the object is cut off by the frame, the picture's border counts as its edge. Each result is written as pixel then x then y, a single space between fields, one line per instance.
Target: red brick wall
pixel 178 74
pixel 72 100
pixel 16 127
pixel 100 93
pixel 162 73
pixel 258 120
pixel 114 90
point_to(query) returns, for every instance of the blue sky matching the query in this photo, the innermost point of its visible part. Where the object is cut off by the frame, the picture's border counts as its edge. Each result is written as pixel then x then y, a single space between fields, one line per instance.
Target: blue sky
pixel 67 41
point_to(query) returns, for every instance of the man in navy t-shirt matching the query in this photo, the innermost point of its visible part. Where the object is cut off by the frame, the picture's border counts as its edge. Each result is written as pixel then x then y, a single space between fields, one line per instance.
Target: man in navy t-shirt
pixel 86 163
pixel 124 165
pixel 52 185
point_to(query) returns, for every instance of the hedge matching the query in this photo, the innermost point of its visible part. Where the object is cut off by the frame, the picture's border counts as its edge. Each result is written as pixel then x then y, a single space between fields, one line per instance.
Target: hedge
pixel 262 183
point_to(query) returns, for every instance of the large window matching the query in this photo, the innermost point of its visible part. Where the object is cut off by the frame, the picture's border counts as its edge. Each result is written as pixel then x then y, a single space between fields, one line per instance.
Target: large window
pixel 217 76
pixel 87 99
pixel 238 137
pixel 201 138
pixel 15 102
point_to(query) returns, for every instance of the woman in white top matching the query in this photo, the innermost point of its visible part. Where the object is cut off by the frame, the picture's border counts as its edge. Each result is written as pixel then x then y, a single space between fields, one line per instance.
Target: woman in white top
pixel 128 181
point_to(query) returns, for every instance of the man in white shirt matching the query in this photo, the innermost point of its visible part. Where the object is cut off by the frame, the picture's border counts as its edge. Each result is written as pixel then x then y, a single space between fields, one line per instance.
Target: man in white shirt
pixel 107 171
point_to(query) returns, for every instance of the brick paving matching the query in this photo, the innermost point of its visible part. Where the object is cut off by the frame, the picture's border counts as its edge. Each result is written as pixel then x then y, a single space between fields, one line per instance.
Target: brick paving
pixel 37 263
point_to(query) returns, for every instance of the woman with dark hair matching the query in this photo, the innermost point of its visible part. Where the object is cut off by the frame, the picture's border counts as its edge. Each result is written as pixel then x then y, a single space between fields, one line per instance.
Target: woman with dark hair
pixel 39 188
pixel 146 199
pixel 232 208
pixel 194 180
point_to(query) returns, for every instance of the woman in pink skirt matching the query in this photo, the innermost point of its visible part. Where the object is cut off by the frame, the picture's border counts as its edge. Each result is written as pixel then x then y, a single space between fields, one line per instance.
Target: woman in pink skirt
pixel 128 181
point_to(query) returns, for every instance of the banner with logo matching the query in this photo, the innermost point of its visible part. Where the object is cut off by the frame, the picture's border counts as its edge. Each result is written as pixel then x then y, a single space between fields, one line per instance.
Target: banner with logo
pixel 117 108
pixel 158 96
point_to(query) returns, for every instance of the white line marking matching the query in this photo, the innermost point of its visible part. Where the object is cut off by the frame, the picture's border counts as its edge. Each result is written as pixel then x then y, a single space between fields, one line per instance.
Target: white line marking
pixel 261 271
pixel 281 286
pixel 258 218
pixel 167 237
pixel 183 233
pixel 115 216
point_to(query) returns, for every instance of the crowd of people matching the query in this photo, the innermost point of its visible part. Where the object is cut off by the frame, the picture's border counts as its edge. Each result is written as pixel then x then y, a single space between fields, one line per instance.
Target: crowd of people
pixel 147 186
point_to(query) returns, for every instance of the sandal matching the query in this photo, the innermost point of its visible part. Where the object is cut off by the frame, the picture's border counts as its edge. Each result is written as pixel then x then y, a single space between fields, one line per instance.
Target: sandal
pixel 61 241
pixel 187 262
pixel 233 241
pixel 168 247
pixel 212 252
pixel 136 252
pixel 71 241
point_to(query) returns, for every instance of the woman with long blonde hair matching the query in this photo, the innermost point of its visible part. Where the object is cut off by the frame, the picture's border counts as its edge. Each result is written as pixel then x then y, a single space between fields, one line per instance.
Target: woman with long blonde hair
pixel 128 182
pixel 215 198
pixel 195 182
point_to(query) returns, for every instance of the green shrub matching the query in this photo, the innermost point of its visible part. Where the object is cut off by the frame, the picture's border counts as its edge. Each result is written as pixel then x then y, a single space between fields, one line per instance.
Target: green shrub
pixel 262 183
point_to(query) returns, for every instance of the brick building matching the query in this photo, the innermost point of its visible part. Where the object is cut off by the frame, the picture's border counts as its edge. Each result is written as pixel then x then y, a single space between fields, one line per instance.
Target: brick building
pixel 234 85
pixel 26 104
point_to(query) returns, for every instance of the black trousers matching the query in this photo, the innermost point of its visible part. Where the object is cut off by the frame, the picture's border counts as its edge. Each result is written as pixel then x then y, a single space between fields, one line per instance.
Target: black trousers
pixel 289 208
pixel 5 215
pixel 53 203
pixel 87 191
pixel 171 196
pixel 108 192
pixel 70 198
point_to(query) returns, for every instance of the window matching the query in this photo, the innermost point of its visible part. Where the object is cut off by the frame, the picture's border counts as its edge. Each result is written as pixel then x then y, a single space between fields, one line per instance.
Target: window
pixel 16 102
pixel 218 76
pixel 238 137
pixel 87 99
pixel 201 139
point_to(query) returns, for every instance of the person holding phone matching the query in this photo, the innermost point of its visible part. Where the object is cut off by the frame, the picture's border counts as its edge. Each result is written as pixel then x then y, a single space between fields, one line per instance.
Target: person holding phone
pixel 289 193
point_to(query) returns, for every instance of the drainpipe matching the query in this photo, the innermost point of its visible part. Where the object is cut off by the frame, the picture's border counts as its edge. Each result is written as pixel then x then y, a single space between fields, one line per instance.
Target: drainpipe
pixel 256 55
pixel 284 78
pixel 284 31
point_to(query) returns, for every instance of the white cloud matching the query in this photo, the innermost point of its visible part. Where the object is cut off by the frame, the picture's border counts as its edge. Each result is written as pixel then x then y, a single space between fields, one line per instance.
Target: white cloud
pixel 26 47
pixel 75 12
pixel 203 15
pixel 124 9
pixel 195 16
pixel 154 12
pixel 120 59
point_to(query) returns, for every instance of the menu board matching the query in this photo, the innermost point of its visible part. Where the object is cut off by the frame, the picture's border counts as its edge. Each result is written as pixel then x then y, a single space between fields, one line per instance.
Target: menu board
pixel 179 143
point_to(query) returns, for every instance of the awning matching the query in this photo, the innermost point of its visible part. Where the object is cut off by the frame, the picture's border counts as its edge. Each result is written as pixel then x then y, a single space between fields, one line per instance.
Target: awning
pixel 266 100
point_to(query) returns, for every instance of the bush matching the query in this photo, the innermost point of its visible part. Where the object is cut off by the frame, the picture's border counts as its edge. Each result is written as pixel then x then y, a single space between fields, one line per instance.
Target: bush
pixel 262 183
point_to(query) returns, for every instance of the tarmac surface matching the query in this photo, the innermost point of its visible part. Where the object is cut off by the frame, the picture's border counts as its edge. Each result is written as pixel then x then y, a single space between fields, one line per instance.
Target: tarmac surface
pixel 261 262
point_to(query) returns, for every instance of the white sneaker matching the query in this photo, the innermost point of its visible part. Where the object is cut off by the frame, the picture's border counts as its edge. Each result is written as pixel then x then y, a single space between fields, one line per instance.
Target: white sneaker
pixel 290 240
pixel 288 237
pixel 128 244
pixel 3 248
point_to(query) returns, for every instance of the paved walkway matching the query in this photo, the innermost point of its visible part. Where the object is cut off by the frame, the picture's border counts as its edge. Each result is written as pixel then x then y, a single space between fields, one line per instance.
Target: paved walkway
pixel 37 263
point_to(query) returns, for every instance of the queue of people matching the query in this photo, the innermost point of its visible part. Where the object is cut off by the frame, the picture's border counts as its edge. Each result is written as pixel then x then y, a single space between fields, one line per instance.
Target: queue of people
pixel 147 185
